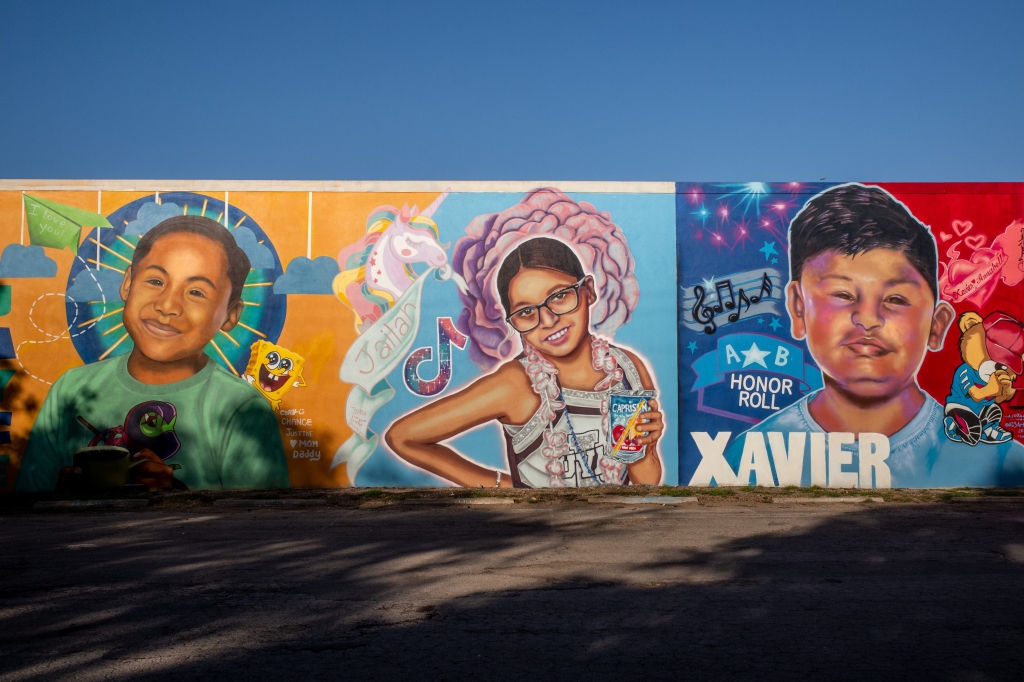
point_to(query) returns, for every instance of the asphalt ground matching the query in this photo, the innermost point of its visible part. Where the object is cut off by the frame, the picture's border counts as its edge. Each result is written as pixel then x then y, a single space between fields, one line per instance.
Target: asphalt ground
pixel 727 588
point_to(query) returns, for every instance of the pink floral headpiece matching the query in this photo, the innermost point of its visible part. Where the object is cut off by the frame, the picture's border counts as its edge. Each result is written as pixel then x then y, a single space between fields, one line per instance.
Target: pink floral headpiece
pixel 599 243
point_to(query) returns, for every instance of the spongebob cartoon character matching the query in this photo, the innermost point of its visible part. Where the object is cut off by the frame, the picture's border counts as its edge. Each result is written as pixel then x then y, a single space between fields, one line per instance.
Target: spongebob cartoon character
pixel 272 370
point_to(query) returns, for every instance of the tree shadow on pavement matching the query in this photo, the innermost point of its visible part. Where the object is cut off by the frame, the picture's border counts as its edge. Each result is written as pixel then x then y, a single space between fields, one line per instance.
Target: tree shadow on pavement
pixel 567 592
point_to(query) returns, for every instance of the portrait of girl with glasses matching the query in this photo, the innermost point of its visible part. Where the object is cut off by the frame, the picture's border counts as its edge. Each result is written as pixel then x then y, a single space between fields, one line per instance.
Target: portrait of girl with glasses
pixel 552 400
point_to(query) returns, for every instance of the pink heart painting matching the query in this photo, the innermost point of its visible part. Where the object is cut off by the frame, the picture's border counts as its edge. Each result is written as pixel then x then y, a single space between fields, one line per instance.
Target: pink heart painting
pixel 973 280
pixel 962 227
pixel 975 242
pixel 945 236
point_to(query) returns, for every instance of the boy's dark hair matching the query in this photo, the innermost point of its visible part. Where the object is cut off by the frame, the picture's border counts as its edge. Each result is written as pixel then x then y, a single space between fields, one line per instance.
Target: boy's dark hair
pixel 238 262
pixel 540 252
pixel 852 219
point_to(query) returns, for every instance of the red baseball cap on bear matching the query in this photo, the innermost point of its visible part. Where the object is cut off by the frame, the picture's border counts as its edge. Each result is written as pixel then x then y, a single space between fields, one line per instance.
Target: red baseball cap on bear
pixel 1004 339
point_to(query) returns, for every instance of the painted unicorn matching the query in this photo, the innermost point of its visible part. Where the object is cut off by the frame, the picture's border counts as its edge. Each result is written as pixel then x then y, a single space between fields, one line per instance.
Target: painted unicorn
pixel 377 269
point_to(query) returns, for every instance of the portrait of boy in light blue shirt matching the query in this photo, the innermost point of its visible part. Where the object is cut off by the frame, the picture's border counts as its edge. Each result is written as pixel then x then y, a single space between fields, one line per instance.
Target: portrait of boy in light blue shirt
pixel 863 293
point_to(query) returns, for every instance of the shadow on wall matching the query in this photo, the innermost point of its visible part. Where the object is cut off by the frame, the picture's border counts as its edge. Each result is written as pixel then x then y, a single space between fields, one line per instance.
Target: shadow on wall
pixel 17 399
pixel 20 406
pixel 930 593
pixel 243 462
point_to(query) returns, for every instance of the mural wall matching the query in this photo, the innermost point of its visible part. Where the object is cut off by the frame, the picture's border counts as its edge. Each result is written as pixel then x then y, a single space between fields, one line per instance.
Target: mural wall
pixel 851 335
pixel 252 339
pixel 264 335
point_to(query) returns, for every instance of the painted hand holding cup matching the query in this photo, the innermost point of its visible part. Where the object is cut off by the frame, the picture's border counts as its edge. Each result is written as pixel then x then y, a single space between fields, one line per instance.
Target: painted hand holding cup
pixel 110 467
pixel 104 467
pixel 152 471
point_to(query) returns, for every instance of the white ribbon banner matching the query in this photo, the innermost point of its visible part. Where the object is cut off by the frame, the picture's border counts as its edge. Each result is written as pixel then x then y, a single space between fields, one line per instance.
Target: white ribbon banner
pixel 367 364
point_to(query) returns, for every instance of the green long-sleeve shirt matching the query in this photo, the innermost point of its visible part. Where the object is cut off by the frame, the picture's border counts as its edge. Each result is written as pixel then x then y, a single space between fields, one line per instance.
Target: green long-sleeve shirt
pixel 229 437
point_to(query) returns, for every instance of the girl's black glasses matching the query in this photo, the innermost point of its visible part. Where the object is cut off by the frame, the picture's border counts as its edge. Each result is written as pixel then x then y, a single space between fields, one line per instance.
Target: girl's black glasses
pixel 561 302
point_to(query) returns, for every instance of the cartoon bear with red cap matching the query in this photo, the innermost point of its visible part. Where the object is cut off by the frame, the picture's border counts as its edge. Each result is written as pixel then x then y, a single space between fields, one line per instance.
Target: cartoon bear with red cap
pixel 993 353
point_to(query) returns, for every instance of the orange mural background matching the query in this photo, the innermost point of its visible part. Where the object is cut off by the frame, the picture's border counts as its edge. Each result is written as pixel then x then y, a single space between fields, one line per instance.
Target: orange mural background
pixel 317 327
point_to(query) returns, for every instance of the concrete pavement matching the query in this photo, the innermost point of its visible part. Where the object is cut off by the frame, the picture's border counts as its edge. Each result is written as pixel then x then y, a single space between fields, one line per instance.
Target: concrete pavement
pixel 719 590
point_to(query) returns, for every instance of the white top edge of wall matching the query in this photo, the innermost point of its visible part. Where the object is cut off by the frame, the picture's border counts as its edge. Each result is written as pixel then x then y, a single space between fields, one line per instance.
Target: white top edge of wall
pixel 336 186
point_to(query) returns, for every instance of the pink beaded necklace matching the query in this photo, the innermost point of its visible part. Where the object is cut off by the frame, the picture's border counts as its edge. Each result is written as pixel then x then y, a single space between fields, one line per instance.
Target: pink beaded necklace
pixel 556 443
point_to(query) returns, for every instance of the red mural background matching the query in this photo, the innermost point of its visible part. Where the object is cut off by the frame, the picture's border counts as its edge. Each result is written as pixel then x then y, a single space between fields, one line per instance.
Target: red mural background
pixel 970 221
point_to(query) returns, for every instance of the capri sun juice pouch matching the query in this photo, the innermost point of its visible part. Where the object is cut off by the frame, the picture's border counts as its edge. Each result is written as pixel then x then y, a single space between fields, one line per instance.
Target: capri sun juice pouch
pixel 625 426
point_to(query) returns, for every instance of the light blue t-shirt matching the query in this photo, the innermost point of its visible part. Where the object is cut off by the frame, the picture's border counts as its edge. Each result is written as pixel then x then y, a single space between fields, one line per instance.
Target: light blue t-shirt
pixel 920 454
pixel 964 379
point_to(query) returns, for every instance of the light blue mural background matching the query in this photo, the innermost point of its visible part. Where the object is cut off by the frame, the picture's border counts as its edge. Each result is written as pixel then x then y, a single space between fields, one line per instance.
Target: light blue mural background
pixel 648 221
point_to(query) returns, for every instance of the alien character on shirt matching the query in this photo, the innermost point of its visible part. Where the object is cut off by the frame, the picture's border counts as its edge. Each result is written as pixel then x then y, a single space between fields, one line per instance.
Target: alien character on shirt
pixel 148 425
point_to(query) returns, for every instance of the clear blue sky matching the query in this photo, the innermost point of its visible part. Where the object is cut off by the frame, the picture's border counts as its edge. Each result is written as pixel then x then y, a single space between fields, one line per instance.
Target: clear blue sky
pixel 857 90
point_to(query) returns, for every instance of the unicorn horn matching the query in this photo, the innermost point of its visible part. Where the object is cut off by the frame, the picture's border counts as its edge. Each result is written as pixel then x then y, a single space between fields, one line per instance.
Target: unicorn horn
pixel 435 204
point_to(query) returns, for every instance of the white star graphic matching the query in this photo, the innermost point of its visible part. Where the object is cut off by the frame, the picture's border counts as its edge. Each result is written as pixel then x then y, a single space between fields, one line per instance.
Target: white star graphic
pixel 754 356
pixel 709 284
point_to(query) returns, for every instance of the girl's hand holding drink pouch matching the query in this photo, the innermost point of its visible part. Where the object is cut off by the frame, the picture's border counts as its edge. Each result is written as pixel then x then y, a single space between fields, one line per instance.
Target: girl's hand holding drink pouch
pixel 625 426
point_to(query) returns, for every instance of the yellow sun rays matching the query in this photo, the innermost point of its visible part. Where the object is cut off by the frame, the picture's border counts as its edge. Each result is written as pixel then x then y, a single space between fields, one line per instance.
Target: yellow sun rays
pixel 257 332
pixel 223 357
pixel 110 250
pixel 97 319
pixel 104 265
pixel 111 349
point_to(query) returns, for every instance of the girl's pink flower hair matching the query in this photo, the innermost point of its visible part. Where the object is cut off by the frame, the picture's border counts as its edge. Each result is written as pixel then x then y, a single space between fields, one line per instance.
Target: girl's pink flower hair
pixel 599 243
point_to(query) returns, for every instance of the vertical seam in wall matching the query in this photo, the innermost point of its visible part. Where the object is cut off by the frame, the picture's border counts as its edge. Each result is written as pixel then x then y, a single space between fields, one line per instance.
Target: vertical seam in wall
pixel 99 209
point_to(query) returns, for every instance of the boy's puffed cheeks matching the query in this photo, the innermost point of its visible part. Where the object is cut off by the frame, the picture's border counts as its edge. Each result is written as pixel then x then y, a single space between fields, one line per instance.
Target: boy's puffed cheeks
pixel 868 319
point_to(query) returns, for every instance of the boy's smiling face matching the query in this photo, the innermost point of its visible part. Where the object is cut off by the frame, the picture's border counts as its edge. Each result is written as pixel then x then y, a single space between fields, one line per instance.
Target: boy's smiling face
pixel 868 319
pixel 177 297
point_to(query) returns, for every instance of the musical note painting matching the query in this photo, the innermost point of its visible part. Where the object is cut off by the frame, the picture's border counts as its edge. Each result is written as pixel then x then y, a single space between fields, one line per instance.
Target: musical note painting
pixel 818 334
pixel 717 302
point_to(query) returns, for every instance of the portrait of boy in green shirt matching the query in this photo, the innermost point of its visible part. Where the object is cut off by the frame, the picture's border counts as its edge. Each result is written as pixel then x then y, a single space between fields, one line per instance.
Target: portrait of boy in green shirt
pixel 167 397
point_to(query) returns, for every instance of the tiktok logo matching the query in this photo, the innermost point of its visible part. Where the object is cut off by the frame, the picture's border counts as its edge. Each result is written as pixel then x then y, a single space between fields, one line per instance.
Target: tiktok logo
pixel 447 335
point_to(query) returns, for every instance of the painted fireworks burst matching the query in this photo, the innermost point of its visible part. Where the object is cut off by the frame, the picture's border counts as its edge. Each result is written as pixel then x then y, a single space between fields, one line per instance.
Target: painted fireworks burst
pixel 728 215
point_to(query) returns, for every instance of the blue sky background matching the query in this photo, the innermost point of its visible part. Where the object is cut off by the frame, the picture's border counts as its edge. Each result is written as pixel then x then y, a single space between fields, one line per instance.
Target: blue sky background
pixel 520 90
